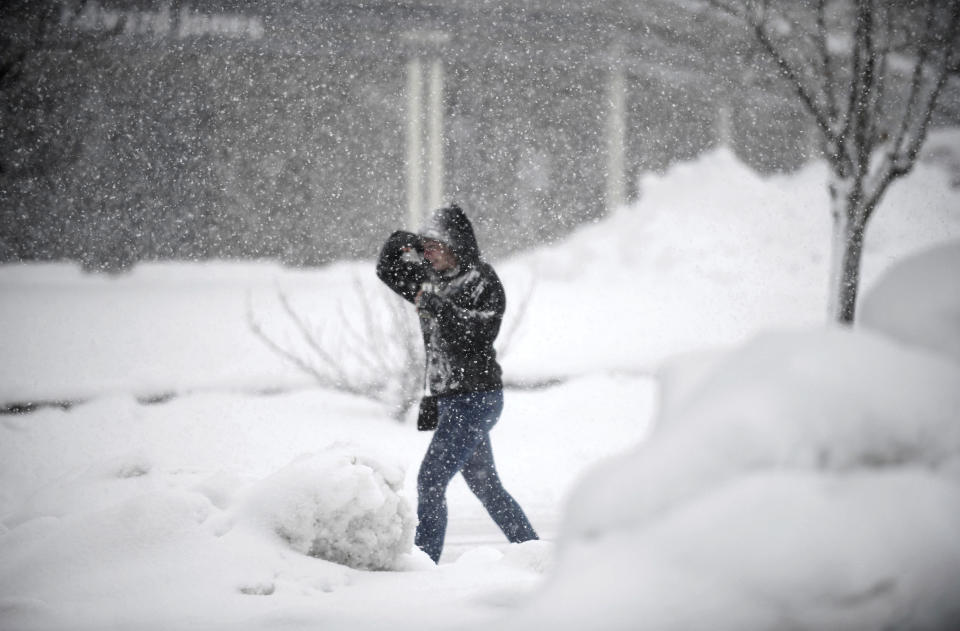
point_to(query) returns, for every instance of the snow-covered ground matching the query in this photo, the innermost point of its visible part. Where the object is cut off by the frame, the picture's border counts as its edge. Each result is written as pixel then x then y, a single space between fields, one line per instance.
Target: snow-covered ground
pixel 711 456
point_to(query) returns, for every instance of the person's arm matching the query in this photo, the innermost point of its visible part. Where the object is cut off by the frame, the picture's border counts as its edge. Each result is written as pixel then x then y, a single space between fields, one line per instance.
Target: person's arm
pixel 402 271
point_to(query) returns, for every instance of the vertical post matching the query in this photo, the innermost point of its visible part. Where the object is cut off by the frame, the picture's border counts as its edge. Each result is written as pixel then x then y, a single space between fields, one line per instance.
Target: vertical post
pixel 424 140
pixel 435 136
pixel 414 144
pixel 724 124
pixel 616 131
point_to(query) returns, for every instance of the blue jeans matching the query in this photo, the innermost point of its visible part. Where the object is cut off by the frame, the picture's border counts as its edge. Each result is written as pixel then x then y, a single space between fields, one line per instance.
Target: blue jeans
pixel 461 443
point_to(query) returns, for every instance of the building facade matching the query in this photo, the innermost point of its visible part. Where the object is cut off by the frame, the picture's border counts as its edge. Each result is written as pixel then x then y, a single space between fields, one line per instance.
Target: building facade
pixel 305 130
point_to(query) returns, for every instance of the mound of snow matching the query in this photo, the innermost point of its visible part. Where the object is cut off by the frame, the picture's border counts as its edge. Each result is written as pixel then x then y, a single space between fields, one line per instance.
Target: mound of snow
pixel 773 550
pixel 805 480
pixel 918 301
pixel 337 505
pixel 827 400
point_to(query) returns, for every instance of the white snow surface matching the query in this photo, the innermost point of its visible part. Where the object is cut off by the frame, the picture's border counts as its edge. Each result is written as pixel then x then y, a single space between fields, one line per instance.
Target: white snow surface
pixel 714 455
pixel 918 302
pixel 808 481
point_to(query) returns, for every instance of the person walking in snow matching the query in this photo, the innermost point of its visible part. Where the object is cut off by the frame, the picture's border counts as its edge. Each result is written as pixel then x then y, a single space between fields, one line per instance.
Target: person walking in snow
pixel 460 303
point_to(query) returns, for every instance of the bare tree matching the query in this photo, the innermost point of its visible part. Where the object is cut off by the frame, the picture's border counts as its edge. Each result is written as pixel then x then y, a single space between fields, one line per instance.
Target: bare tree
pixel 371 352
pixel 371 348
pixel 869 73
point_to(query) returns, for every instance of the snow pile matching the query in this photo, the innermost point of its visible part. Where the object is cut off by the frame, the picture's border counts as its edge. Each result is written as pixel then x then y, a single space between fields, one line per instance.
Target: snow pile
pixel 709 254
pixel 807 480
pixel 339 506
pixel 918 301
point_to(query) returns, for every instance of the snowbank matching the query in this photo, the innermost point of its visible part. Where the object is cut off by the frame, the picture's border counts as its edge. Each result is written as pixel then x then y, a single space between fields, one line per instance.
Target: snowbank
pixel 918 301
pixel 708 255
pixel 806 479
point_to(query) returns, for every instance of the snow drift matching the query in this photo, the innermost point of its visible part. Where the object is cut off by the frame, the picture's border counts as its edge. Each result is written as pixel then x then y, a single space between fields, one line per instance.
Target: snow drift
pixel 805 480
pixel 918 301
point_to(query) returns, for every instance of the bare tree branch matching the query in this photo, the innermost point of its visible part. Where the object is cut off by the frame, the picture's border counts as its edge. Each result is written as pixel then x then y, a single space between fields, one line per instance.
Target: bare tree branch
pixel 507 333
pixel 916 85
pixel 864 78
pixel 756 20
pixel 878 133
pixel 853 134
pixel 905 149
pixel 792 74
pixel 383 361
pixel 365 345
pixel 942 74
pixel 375 333
pixel 310 340
pixel 379 358
pixel 826 66
pixel 293 358
pixel 731 8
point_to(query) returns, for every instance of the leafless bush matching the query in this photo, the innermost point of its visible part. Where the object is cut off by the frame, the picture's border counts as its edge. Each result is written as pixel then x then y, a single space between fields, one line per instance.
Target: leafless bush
pixel 372 348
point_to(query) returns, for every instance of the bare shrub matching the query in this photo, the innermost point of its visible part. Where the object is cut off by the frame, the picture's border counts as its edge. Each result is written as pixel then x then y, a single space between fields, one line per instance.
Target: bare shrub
pixel 371 346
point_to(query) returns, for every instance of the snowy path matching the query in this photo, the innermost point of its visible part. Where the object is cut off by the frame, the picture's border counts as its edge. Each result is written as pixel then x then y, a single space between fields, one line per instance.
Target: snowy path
pixel 469 533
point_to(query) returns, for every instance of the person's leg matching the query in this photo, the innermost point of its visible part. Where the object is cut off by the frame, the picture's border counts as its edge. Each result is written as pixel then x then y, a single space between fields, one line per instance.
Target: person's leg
pixel 453 441
pixel 481 476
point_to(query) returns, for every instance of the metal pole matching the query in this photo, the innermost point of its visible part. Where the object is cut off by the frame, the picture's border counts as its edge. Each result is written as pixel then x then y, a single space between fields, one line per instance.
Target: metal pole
pixel 616 131
pixel 414 144
pixel 435 136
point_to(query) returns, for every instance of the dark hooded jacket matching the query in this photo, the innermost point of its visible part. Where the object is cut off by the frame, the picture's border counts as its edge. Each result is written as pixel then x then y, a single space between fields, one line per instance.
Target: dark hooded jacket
pixel 460 310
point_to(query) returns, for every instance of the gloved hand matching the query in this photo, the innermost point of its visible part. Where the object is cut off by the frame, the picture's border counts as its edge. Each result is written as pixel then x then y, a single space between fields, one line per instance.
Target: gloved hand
pixel 404 242
pixel 411 241
pixel 431 303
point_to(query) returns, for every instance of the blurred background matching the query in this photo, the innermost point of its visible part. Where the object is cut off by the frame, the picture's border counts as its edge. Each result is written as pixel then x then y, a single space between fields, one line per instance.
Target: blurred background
pixel 305 131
